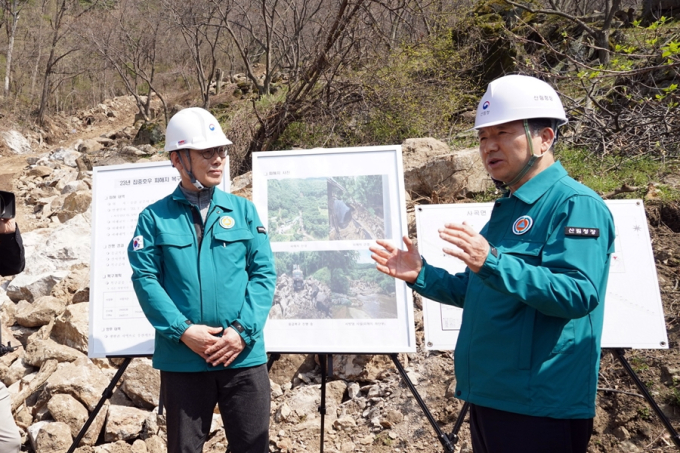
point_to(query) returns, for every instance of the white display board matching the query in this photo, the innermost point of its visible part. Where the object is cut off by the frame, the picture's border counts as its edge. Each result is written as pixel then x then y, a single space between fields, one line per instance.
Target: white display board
pixel 323 209
pixel 633 316
pixel 119 193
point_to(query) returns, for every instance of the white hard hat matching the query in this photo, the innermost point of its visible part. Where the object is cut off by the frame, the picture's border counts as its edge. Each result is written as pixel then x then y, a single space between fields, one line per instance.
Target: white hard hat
pixel 194 128
pixel 518 97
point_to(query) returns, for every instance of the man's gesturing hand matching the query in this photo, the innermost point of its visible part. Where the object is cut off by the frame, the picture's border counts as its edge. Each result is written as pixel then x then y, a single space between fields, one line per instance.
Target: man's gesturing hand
pixel 199 338
pixel 472 247
pixel 404 265
pixel 226 349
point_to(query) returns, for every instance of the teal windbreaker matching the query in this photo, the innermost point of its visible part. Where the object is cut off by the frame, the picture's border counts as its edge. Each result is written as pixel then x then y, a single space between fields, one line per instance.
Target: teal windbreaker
pixel 529 342
pixel 230 278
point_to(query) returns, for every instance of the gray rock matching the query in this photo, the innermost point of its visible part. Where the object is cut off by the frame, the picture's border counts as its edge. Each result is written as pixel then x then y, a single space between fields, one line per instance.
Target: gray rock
pixel 29 286
pixel 74 204
pixel 16 142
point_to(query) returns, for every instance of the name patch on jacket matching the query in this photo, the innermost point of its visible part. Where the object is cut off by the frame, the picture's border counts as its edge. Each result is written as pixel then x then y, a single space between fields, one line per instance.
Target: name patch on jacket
pixel 262 230
pixel 580 231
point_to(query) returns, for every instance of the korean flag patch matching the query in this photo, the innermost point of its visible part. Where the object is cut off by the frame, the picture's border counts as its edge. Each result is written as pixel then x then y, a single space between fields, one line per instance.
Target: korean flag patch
pixel 137 243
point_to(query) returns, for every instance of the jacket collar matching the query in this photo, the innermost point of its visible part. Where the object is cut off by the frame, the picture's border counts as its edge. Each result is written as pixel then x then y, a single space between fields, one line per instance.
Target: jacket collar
pixel 534 188
pixel 219 198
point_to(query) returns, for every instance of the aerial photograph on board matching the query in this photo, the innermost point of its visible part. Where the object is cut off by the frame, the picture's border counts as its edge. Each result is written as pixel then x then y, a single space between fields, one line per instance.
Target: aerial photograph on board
pixel 322 209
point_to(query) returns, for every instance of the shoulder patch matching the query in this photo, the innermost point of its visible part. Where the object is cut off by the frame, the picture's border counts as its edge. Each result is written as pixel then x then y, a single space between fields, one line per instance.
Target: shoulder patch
pixel 137 243
pixel 581 231
pixel 262 230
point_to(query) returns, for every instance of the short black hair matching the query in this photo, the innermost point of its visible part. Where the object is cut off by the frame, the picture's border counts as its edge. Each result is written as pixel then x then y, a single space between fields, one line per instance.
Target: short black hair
pixel 536 125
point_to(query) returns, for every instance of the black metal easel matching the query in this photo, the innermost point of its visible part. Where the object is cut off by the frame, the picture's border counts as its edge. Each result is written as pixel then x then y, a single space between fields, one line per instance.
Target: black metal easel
pixel 108 392
pixel 620 354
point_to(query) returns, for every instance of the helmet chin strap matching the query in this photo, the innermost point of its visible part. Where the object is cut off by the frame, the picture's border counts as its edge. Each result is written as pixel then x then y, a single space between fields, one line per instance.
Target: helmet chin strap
pixel 196 183
pixel 530 163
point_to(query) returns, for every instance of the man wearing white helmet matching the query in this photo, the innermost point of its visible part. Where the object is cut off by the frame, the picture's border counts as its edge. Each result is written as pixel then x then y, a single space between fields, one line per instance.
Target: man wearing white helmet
pixel 204 275
pixel 527 356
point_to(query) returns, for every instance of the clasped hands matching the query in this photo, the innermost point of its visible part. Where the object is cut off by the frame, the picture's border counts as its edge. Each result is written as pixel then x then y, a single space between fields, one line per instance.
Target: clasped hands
pixel 214 348
pixel 471 248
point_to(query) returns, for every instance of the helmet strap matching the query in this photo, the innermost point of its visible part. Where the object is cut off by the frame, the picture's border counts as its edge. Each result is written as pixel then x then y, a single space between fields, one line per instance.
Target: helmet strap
pixel 530 163
pixel 196 183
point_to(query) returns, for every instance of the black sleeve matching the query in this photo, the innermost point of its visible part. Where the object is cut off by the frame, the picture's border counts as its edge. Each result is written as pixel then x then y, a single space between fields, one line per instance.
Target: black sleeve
pixel 11 253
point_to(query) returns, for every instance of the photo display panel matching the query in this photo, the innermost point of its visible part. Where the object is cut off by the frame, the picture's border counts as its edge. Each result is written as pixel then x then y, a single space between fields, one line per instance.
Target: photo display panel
pixel 323 209
pixel 633 316
pixel 118 326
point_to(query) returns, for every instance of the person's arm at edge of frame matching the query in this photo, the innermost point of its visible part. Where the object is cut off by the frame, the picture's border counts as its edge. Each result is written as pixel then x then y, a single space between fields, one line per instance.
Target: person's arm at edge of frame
pixel 567 282
pixel 13 261
pixel 157 306
pixel 429 281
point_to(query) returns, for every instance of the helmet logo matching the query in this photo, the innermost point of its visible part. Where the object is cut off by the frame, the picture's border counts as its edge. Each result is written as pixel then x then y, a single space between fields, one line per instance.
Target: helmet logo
pixel 211 127
pixel 485 105
pixel 522 225
pixel 227 222
pixel 181 142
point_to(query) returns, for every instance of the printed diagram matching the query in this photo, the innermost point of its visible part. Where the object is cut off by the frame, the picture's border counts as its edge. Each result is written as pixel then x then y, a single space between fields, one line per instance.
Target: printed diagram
pixel 331 285
pixel 321 209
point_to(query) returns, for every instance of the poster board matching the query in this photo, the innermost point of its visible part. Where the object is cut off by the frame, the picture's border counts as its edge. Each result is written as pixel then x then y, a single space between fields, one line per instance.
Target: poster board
pixel 119 193
pixel 633 316
pixel 323 209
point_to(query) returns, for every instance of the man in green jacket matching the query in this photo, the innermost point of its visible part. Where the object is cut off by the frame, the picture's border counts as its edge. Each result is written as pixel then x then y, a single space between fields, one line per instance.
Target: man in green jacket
pixel 204 275
pixel 527 357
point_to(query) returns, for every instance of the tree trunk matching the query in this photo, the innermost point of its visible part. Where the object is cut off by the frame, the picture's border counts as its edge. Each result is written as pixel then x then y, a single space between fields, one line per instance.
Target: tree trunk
pixel 10 46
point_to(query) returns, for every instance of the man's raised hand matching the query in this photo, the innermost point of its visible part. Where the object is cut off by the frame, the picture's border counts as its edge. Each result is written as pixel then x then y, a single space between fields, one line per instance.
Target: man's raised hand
pixel 402 264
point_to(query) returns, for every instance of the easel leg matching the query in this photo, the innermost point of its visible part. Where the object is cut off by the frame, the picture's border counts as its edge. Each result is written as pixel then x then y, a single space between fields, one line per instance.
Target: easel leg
pixel 322 407
pixel 273 357
pixel 443 438
pixel 620 354
pixel 108 392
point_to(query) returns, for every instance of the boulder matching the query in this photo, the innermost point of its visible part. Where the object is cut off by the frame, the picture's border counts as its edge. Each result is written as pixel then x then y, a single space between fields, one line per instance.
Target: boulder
pixel 432 170
pixel 72 327
pixel 74 204
pixel 66 409
pixel 40 171
pixel 27 286
pixel 53 437
pixel 41 312
pixel 89 146
pixel 149 134
pixel 124 423
pixel 81 379
pixel 38 351
pixel 67 156
pixel 142 383
pixel 16 142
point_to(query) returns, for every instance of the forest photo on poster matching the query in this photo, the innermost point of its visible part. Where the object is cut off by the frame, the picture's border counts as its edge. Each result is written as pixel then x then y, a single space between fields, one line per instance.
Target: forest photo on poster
pixel 321 209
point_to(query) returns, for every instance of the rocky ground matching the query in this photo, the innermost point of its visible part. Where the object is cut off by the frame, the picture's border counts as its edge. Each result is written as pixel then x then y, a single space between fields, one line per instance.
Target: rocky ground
pixel 55 387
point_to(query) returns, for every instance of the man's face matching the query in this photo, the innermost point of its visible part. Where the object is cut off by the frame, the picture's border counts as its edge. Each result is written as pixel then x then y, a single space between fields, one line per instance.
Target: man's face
pixel 504 149
pixel 207 171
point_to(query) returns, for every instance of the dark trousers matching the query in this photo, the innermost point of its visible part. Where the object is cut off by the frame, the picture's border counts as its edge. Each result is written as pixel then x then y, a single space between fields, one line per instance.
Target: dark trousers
pixel 495 431
pixel 243 396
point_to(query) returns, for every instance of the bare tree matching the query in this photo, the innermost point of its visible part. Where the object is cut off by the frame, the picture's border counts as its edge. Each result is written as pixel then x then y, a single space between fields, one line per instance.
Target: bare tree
pixel 12 9
pixel 64 17
pixel 198 23
pixel 600 34
pixel 130 44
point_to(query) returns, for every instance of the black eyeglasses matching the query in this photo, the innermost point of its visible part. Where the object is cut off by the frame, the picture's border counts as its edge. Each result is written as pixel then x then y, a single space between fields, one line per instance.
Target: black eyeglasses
pixel 210 152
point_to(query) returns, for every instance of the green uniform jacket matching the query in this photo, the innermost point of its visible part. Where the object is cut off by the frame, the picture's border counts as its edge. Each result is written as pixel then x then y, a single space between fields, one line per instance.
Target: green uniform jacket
pixel 230 278
pixel 529 341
